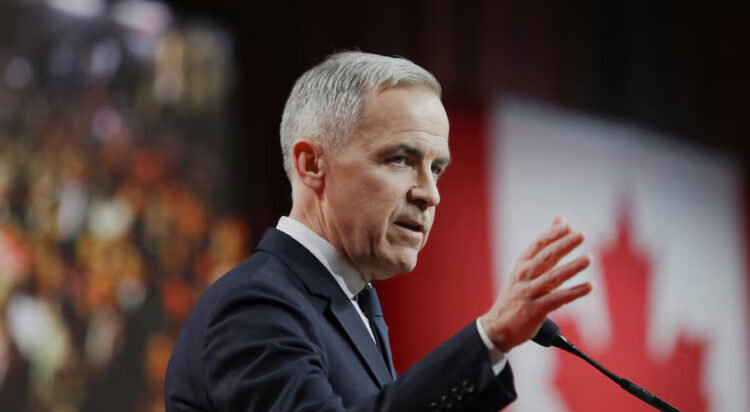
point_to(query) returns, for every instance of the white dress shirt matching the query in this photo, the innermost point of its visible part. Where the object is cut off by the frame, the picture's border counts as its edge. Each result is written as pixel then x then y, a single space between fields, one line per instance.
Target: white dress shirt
pixel 351 282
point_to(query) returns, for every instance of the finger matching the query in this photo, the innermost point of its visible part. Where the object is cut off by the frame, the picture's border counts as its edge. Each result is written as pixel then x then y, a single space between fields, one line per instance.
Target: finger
pixel 548 257
pixel 554 300
pixel 555 277
pixel 559 229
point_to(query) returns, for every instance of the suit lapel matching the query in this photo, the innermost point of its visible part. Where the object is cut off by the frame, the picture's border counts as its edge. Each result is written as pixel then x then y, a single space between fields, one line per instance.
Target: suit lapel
pixel 352 323
pixel 387 345
pixel 320 282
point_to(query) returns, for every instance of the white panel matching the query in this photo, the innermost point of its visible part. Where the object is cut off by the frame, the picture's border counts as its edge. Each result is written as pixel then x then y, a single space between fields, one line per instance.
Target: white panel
pixel 686 212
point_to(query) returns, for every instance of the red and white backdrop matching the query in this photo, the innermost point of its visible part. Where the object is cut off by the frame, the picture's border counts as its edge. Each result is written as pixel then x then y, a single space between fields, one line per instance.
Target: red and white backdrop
pixel 667 228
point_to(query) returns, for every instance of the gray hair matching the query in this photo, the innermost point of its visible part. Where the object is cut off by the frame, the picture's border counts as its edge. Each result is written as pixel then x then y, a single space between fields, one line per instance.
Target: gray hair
pixel 327 100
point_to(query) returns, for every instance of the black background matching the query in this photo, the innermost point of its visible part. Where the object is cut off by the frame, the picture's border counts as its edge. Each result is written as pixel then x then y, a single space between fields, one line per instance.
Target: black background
pixel 677 67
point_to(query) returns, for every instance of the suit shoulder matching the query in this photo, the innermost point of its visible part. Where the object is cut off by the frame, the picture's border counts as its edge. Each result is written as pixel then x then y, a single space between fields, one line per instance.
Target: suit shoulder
pixel 263 279
pixel 263 274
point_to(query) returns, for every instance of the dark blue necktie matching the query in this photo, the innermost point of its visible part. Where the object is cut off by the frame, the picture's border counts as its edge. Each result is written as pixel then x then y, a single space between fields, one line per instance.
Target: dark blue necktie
pixel 370 305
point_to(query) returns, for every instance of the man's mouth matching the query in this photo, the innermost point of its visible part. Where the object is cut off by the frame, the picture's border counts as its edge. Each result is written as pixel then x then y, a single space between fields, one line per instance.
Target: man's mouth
pixel 413 226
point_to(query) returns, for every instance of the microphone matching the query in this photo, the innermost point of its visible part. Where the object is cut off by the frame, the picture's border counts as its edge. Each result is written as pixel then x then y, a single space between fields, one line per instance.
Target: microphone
pixel 549 335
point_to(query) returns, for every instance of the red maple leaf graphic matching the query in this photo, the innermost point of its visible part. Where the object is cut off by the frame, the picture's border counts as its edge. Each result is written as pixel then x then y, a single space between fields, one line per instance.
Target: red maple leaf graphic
pixel 677 380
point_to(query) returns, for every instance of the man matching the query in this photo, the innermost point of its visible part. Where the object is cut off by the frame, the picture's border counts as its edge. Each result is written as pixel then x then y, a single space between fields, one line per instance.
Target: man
pixel 297 327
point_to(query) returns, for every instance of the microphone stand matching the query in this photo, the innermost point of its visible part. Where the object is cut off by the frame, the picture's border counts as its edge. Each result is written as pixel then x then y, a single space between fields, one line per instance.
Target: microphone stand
pixel 549 334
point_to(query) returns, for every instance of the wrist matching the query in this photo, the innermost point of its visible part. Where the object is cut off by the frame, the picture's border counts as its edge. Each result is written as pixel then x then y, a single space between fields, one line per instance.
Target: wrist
pixel 499 340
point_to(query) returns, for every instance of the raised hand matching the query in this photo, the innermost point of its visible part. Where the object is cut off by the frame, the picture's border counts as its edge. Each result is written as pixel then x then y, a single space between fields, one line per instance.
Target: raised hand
pixel 531 291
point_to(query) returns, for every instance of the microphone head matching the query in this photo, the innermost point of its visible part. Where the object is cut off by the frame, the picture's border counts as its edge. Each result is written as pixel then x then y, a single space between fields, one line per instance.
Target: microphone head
pixel 547 333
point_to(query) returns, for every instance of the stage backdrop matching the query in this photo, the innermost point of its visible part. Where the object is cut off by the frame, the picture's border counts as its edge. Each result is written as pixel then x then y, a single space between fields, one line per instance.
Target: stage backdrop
pixel 665 225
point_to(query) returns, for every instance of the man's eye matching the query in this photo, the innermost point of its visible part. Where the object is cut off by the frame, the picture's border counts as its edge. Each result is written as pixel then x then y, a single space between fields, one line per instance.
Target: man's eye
pixel 398 160
pixel 437 170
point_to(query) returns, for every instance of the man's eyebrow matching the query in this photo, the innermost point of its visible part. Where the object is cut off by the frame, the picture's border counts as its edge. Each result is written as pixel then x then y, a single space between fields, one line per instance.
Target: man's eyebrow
pixel 443 161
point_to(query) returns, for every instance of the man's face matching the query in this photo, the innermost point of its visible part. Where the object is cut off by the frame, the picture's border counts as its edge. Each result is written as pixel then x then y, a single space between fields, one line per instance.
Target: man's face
pixel 380 188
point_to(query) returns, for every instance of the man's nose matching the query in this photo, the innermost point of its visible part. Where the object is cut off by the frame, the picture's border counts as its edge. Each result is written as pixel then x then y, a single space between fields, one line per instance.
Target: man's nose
pixel 425 193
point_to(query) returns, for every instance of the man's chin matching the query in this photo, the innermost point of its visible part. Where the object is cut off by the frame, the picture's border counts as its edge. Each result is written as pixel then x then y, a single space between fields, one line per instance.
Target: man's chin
pixel 399 264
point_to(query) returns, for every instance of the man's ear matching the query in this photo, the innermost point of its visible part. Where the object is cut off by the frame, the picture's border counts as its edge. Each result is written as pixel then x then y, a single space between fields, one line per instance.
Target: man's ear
pixel 309 164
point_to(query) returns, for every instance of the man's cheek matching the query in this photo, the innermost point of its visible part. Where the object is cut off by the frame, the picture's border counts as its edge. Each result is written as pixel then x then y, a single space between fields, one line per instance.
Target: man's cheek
pixel 424 241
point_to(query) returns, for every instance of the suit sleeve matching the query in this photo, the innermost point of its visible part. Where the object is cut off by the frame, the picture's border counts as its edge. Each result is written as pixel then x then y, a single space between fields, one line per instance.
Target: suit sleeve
pixel 262 354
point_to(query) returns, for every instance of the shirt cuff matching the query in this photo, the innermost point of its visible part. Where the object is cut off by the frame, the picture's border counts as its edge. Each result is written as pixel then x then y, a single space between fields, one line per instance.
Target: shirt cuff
pixel 497 357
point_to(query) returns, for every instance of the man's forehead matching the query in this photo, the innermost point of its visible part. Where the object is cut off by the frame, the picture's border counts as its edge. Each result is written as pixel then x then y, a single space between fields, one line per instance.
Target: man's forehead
pixel 372 99
pixel 405 108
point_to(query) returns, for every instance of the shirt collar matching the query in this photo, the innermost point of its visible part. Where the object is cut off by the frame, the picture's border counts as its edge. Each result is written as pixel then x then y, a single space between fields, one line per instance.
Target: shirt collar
pixel 345 274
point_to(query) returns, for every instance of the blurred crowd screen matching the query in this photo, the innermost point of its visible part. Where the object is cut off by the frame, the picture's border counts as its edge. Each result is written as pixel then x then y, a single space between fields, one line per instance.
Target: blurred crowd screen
pixel 114 214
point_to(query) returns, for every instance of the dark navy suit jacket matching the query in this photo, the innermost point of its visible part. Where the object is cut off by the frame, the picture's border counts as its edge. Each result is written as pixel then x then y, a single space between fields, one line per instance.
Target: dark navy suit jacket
pixel 277 333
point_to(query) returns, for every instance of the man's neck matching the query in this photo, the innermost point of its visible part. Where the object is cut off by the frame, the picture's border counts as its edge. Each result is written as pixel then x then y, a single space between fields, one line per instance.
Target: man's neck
pixel 310 213
pixel 346 275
